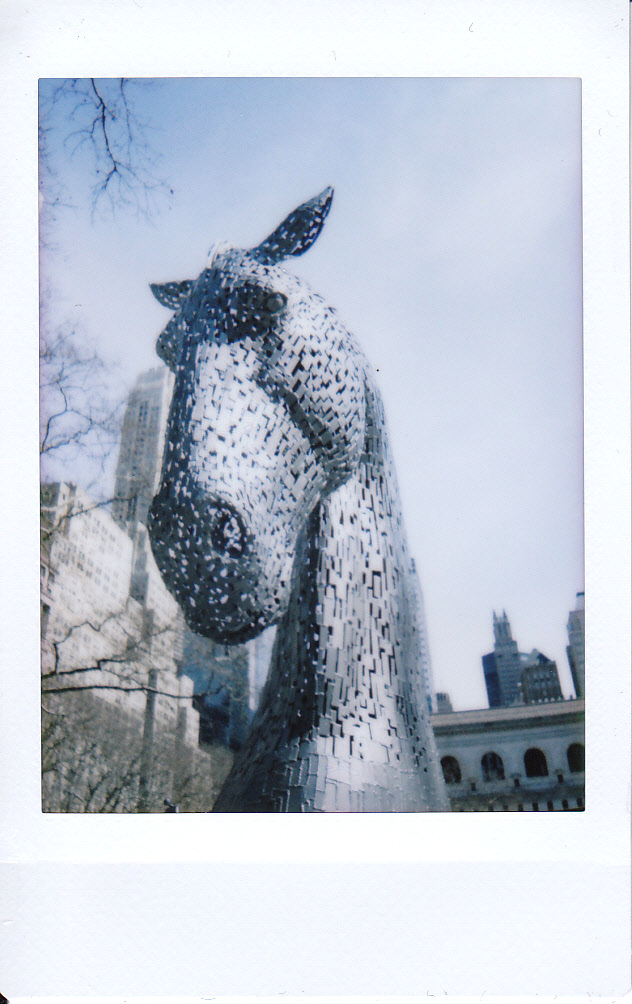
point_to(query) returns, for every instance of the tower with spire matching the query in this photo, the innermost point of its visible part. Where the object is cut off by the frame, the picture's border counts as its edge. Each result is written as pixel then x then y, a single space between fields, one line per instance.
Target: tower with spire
pixel 502 667
pixel 514 677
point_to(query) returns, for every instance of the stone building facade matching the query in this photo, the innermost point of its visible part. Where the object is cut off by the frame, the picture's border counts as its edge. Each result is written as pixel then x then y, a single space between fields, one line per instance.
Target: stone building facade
pixel 94 633
pixel 525 758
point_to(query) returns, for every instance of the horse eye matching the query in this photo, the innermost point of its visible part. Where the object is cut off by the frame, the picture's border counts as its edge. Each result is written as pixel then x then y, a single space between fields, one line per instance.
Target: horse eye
pixel 275 302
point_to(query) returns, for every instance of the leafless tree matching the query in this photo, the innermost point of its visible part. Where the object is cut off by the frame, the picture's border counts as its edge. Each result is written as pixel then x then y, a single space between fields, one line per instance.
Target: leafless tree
pixel 91 762
pixel 100 124
pixel 81 405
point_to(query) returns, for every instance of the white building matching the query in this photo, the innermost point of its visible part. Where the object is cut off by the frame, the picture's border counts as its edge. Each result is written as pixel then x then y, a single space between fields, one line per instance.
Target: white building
pixel 523 758
pixel 94 634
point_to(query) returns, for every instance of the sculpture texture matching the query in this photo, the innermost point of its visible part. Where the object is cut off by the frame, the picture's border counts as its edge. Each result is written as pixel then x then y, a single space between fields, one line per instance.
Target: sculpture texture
pixel 279 504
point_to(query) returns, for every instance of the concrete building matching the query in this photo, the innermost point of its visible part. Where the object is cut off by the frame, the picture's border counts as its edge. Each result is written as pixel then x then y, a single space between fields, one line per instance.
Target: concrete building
pixel 94 633
pixel 539 680
pixel 525 758
pixel 513 677
pixel 142 446
pixel 219 674
pixel 502 667
pixel 576 643
pixel 444 704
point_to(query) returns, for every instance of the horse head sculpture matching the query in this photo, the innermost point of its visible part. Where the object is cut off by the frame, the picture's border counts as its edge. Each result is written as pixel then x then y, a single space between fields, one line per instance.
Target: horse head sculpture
pixel 278 505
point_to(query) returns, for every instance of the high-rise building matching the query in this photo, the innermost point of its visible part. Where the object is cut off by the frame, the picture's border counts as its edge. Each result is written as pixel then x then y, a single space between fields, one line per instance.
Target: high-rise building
pixel 444 704
pixel 142 446
pixel 502 667
pixel 539 680
pixel 95 635
pixel 576 642
pixel 513 677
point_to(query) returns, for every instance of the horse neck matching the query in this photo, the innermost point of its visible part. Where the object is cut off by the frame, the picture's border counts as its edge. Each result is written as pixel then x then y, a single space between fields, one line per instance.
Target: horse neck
pixel 362 549
pixel 341 723
pixel 351 615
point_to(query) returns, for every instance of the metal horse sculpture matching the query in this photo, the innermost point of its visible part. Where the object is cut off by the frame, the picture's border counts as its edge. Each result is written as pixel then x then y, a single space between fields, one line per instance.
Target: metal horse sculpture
pixel 279 504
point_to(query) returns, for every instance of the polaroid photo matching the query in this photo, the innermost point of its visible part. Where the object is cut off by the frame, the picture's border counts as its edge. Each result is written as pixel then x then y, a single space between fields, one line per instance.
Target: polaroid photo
pixel 334 444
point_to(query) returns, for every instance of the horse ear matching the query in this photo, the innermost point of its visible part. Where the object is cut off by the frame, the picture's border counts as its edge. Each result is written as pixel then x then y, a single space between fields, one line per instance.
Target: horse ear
pixel 298 231
pixel 171 294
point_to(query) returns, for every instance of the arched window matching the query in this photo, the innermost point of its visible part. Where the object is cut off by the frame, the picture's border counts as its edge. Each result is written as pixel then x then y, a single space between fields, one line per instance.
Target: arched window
pixel 575 754
pixel 451 769
pixel 493 767
pixel 535 763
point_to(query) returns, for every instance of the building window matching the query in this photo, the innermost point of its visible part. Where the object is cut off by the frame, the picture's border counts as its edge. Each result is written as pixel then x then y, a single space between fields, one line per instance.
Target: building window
pixel 451 769
pixel 575 754
pixel 493 768
pixel 535 763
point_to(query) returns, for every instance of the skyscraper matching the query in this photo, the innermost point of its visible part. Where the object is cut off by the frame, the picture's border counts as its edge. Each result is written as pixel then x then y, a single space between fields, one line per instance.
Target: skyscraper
pixel 539 679
pixel 576 642
pixel 502 666
pixel 142 445
pixel 514 677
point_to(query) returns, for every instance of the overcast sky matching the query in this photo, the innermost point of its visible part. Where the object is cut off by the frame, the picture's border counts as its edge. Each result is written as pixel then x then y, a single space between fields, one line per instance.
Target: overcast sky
pixel 453 252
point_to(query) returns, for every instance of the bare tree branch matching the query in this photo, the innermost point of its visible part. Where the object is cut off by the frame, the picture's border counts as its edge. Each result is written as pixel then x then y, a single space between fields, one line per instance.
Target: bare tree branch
pixel 100 123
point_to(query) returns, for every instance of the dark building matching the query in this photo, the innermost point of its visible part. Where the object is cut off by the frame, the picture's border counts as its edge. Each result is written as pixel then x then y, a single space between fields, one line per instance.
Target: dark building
pixel 502 667
pixel 539 679
pixel 492 681
pixel 220 679
pixel 513 677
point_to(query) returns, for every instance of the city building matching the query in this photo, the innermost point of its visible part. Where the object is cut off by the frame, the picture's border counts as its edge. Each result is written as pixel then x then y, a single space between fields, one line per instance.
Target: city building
pixel 444 704
pixel 539 680
pixel 142 446
pixel 95 634
pixel 523 758
pixel 576 642
pixel 502 667
pixel 220 677
pixel 513 677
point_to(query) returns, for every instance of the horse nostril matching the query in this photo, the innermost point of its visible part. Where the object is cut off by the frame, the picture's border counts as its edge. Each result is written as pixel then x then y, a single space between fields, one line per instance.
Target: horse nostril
pixel 227 533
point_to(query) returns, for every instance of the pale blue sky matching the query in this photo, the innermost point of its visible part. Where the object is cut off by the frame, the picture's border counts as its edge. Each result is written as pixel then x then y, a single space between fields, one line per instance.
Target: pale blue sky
pixel 452 251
